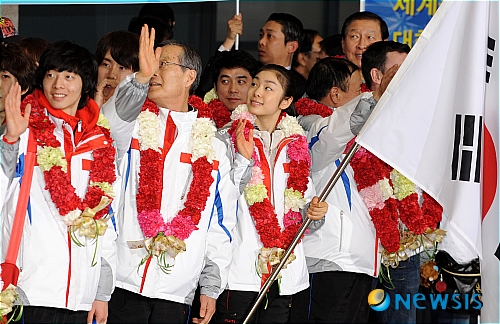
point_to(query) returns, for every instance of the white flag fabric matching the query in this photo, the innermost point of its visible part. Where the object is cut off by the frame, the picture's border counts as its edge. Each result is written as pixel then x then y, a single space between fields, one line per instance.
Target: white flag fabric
pixel 429 126
pixel 490 228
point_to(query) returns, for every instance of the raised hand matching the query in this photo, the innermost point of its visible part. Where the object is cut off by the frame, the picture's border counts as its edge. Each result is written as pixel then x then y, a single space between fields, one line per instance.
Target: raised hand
pixel 15 122
pixel 245 146
pixel 104 92
pixel 149 58
pixel 234 27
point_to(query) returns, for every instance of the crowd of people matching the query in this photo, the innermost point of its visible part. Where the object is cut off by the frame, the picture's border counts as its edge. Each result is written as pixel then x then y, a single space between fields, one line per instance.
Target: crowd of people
pixel 136 188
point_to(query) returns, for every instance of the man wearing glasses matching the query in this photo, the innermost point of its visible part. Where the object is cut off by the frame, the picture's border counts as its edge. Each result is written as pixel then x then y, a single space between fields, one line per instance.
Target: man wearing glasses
pixel 177 209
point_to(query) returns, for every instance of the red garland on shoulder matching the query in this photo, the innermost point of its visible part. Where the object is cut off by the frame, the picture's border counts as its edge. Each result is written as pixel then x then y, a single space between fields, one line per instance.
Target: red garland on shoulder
pixel 368 170
pixel 220 113
pixel 57 182
pixel 203 109
pixel 151 106
pixel 307 106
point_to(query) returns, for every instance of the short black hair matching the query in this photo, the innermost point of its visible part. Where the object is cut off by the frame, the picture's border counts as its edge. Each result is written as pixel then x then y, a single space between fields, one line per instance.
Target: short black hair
pixel 328 73
pixel 123 47
pixel 332 45
pixel 233 60
pixel 33 46
pixel 291 27
pixel 161 11
pixel 306 46
pixel 162 30
pixel 17 62
pixel 375 56
pixel 365 15
pixel 189 58
pixel 67 56
pixel 287 82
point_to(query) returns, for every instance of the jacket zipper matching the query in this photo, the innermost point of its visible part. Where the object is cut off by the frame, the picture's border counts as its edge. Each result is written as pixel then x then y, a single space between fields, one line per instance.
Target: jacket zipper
pixel 341 229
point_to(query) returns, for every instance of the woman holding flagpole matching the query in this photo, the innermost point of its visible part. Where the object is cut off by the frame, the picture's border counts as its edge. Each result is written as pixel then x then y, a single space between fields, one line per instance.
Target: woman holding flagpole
pixel 272 203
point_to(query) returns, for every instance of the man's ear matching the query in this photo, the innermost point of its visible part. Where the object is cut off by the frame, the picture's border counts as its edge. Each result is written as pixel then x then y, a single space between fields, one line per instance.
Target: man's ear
pixel 301 59
pixel 292 46
pixel 191 76
pixel 335 95
pixel 376 76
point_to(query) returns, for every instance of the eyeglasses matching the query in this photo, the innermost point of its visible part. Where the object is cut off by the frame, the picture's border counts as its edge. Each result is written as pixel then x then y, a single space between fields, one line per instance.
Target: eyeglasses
pixel 165 63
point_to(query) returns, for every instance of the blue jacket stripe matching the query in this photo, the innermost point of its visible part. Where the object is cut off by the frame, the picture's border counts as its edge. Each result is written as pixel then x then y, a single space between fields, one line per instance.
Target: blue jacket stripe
pixel 347 184
pixel 316 138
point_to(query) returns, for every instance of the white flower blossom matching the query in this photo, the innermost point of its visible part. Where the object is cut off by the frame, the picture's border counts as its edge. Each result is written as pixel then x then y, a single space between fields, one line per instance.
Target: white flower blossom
pixel 294 200
pixel 290 126
pixel 149 130
pixel 385 188
pixel 241 112
pixel 200 143
pixel 69 218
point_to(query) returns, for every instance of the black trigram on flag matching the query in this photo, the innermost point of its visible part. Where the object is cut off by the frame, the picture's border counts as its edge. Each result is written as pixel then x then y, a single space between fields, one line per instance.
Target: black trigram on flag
pixel 489 58
pixel 466 161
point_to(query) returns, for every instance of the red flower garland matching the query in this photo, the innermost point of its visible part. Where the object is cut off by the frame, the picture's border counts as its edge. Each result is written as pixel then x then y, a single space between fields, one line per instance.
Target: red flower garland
pixel 307 106
pixel 151 186
pixel 220 113
pixel 57 181
pixel 263 214
pixel 368 170
pixel 203 110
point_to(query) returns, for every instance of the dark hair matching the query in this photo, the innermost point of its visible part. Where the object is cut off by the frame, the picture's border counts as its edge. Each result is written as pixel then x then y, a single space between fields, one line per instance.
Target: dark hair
pixel 332 45
pixel 15 61
pixel 375 56
pixel 123 47
pixel 162 30
pixel 67 56
pixel 306 46
pixel 33 46
pixel 291 27
pixel 328 73
pixel 233 60
pixel 189 58
pixel 365 15
pixel 287 82
pixel 161 11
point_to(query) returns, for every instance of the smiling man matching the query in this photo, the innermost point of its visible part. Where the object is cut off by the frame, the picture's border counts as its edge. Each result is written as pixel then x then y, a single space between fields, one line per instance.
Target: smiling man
pixel 179 200
pixel 359 31
pixel 232 76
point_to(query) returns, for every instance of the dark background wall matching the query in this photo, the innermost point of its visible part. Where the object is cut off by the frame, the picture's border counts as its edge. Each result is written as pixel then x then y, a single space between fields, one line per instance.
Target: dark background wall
pixel 200 24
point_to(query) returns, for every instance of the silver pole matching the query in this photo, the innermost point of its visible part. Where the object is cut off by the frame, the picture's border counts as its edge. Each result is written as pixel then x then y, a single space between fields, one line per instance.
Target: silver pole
pixel 326 191
pixel 237 42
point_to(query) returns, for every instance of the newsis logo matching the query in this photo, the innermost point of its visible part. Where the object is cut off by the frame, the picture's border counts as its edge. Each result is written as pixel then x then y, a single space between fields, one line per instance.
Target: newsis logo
pixel 379 301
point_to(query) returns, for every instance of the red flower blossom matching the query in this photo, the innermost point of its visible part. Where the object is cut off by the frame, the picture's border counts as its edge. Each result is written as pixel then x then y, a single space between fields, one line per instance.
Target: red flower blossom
pixel 220 113
pixel 203 110
pixel 307 106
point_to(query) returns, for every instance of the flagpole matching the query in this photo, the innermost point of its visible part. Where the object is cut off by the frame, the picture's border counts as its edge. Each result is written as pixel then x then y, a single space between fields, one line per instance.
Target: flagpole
pixel 326 191
pixel 237 42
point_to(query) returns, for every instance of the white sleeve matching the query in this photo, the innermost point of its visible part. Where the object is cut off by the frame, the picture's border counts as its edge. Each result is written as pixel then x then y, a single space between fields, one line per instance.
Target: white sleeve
pixel 122 110
pixel 329 136
pixel 214 276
